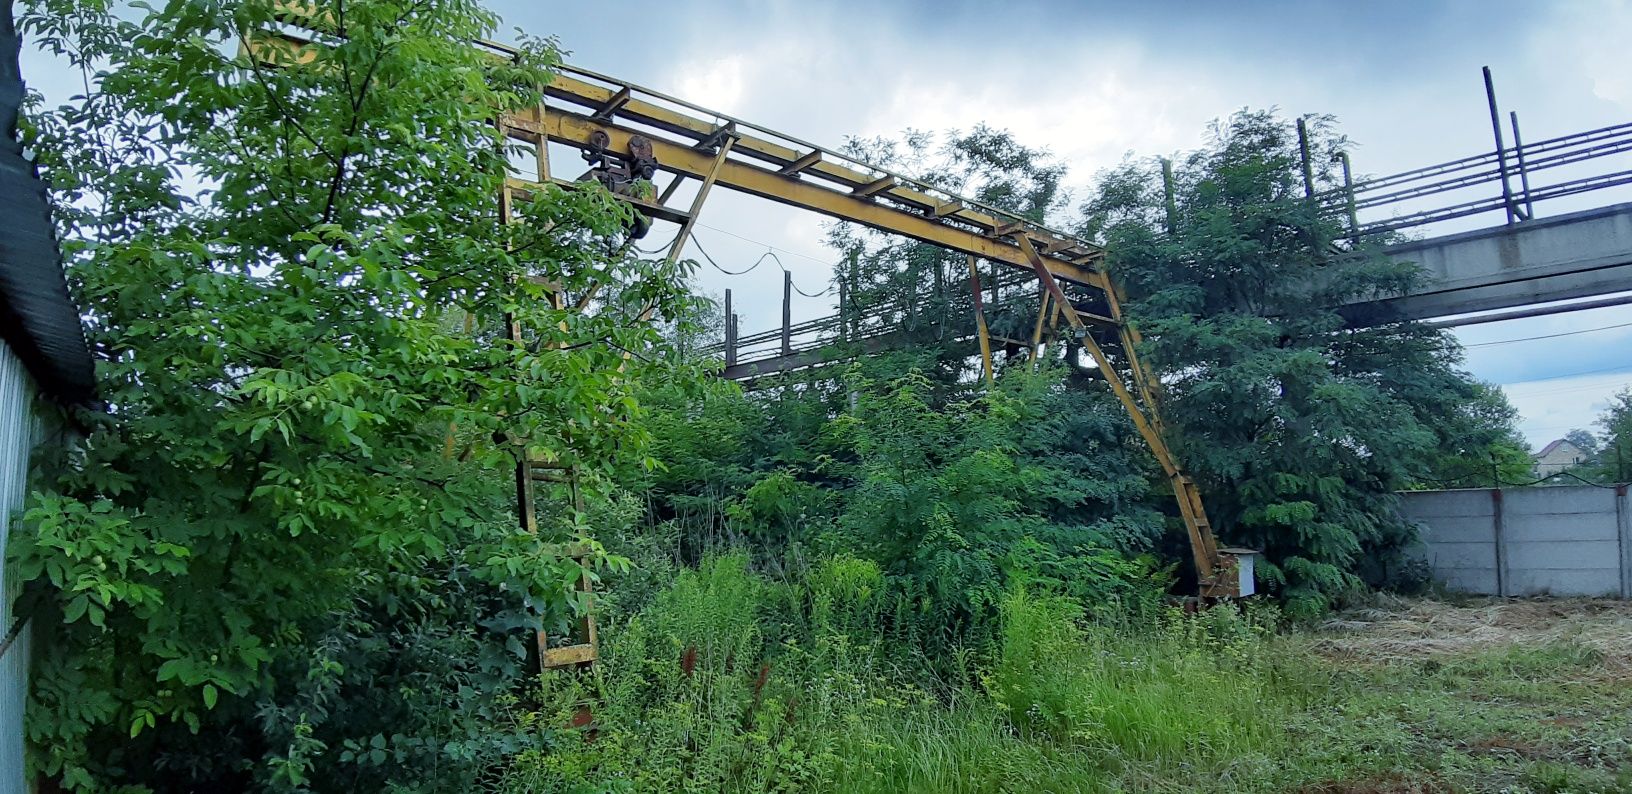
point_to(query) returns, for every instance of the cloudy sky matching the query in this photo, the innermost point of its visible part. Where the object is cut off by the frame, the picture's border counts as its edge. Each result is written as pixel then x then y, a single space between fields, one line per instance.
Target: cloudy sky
pixel 1095 82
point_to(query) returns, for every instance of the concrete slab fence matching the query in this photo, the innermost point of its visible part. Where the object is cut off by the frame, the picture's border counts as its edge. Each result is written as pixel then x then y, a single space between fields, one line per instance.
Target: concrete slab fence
pixel 1559 540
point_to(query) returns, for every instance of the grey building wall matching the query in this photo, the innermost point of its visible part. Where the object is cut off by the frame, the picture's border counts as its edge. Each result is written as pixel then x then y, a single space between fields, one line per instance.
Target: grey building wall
pixel 17 431
pixel 1564 540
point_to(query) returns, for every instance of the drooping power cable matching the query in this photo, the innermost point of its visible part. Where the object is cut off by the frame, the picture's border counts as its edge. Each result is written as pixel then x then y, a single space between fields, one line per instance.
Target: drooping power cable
pixel 769 254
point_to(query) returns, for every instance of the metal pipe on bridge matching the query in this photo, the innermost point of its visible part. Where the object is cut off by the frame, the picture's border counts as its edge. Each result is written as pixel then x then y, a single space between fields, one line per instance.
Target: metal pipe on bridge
pixel 1501 148
pixel 1524 173
pixel 730 331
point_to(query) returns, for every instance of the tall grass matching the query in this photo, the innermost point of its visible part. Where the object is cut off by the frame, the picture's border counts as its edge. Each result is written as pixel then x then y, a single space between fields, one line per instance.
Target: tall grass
pixel 729 682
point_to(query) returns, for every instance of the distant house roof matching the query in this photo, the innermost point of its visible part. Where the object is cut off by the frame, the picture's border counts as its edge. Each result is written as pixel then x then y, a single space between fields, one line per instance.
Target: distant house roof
pixel 38 319
pixel 1555 444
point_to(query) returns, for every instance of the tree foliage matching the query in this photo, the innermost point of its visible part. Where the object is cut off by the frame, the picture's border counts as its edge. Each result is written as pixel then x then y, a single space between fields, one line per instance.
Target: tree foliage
pixel 909 287
pixel 1299 426
pixel 1612 458
pixel 1482 446
pixel 955 495
pixel 291 528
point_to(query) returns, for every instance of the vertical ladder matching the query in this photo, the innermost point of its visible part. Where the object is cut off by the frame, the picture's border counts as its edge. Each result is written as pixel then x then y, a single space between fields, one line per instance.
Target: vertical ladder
pixel 577 648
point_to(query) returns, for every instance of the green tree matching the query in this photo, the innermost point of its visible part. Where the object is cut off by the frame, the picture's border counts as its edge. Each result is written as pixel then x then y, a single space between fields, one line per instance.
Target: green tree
pixel 1584 440
pixel 910 288
pixel 1614 454
pixel 1481 446
pixel 1298 426
pixel 957 501
pixel 292 527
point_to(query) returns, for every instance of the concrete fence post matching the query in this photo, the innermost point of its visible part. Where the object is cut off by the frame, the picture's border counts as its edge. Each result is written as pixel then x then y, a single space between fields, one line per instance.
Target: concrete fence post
pixel 1498 541
pixel 1623 522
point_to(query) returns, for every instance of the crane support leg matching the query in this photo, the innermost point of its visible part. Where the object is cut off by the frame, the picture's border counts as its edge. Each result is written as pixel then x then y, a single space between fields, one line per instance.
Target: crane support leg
pixel 1211 570
pixel 728 139
pixel 1037 331
pixel 980 320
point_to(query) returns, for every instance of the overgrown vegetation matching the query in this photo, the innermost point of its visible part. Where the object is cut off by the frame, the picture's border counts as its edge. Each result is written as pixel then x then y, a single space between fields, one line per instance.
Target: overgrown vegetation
pixel 285 556
pixel 1300 426
pixel 1608 453
pixel 735 682
pixel 291 528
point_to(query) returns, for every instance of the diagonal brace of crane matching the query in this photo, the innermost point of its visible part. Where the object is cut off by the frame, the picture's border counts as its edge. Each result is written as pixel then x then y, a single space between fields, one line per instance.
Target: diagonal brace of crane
pixel 1214 570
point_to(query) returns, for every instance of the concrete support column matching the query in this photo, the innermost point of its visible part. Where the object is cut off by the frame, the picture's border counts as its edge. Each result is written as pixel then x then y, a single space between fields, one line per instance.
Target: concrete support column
pixel 1623 522
pixel 1498 540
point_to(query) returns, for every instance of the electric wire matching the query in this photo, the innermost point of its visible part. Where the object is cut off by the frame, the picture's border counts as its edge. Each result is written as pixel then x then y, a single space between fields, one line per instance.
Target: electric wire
pixel 664 248
pixel 1572 390
pixel 833 265
pixel 769 254
pixel 1499 482
pixel 1561 376
pixel 1548 336
pixel 751 268
pixel 1554 428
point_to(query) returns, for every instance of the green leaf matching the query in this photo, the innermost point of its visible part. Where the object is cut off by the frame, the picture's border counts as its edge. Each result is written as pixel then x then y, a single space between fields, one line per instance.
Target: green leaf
pixel 76 608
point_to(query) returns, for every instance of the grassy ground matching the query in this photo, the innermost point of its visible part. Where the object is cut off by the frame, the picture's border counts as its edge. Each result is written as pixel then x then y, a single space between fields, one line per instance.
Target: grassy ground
pixel 1480 696
pixel 1407 696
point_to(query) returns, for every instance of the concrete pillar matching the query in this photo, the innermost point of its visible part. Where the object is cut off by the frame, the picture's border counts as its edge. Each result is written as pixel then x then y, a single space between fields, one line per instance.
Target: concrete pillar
pixel 1623 521
pixel 1499 540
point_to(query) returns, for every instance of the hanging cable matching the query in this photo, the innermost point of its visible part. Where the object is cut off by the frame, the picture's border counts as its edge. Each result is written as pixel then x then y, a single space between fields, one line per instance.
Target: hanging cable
pixel 1548 336
pixel 769 254
pixel 1617 369
pixel 772 255
pixel 664 248
pixel 1501 483
pixel 1573 390
pixel 704 252
pixel 833 265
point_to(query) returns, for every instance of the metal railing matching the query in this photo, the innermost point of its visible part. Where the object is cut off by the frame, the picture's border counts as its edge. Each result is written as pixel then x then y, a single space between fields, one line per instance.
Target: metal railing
pixel 1498 169
pixel 852 327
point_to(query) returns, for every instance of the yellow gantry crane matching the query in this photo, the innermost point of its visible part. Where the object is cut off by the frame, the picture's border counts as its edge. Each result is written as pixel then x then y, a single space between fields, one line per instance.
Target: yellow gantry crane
pixel 633 138
pixel 638 132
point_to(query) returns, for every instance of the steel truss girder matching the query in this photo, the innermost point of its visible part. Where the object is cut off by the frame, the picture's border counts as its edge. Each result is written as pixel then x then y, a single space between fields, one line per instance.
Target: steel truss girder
pixel 842 171
pixel 815 179
pixel 574 129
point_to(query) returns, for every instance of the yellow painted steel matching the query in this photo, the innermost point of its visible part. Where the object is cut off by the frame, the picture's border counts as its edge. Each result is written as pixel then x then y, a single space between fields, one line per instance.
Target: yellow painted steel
pixel 823 181
pixel 1037 346
pixel 575 130
pixel 684 234
pixel 980 321
pixel 877 200
pixel 1131 340
pixel 571 89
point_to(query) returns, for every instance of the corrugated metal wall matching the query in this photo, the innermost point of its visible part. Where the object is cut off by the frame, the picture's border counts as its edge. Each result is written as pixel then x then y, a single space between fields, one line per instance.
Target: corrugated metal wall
pixel 17 432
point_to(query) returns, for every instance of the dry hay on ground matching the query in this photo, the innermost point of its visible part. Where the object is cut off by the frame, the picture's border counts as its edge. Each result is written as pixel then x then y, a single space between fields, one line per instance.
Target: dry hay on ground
pixel 1395 629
